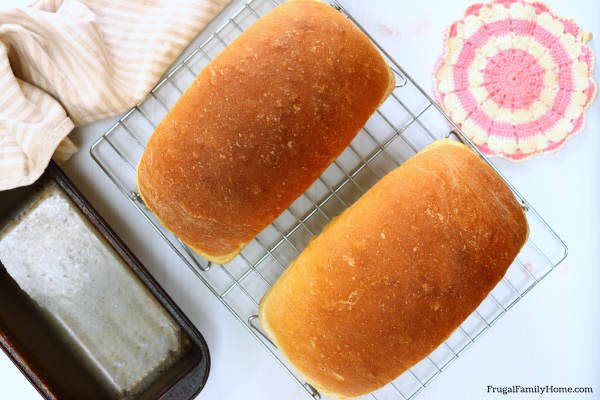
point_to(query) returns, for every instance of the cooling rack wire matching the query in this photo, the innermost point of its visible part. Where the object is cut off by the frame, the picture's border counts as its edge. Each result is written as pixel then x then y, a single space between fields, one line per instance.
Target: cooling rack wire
pixel 407 122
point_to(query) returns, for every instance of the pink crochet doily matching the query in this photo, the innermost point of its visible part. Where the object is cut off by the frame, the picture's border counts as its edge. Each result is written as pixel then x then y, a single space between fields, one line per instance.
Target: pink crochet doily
pixel 516 78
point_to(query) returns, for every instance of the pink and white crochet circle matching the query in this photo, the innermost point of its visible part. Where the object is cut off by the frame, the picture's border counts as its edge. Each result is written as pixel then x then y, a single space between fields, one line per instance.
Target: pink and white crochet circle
pixel 516 78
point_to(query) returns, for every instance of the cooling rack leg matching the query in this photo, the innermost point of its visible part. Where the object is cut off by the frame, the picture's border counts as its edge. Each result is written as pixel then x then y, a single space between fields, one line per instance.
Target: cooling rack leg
pixel 313 392
pixel 253 323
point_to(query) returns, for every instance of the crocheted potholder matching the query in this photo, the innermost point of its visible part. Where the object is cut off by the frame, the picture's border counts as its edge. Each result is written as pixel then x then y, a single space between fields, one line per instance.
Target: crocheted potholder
pixel 516 78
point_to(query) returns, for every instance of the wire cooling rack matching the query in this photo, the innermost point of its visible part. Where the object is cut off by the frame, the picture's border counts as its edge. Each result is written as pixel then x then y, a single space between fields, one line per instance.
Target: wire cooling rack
pixel 407 122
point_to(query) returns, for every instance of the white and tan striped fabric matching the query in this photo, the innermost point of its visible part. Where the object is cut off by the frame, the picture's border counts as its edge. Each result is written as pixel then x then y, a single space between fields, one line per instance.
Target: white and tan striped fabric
pixel 64 63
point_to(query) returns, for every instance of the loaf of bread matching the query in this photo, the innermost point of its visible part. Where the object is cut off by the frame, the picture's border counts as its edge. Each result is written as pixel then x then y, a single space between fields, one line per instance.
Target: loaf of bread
pixel 259 125
pixel 395 274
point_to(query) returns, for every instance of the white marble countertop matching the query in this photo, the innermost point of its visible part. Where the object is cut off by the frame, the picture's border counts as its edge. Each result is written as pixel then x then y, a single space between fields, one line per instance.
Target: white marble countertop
pixel 550 338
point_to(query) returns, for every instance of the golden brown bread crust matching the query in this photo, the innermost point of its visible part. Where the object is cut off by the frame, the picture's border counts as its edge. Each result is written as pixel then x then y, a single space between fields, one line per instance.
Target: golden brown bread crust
pixel 259 125
pixel 395 274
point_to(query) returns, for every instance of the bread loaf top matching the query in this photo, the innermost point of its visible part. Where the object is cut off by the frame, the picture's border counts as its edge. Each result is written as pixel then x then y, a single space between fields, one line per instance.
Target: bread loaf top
pixel 259 125
pixel 395 274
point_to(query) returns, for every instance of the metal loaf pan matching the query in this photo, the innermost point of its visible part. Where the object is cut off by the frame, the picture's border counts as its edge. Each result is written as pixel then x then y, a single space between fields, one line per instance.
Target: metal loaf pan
pixel 43 354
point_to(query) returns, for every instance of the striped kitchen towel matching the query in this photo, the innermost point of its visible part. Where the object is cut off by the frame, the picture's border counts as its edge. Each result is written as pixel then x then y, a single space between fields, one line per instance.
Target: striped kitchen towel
pixel 64 63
